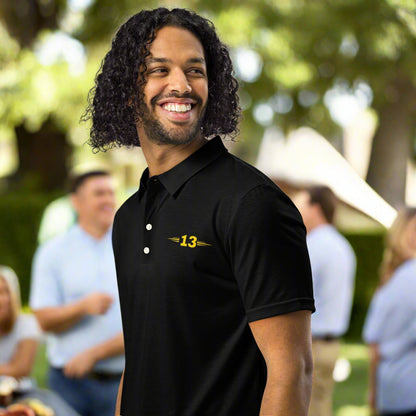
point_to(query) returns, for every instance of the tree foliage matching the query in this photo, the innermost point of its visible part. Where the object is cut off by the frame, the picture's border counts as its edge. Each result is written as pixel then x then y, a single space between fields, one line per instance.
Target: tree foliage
pixel 305 49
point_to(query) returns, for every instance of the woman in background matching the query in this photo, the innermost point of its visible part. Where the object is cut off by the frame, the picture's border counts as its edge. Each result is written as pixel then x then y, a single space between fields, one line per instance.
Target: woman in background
pixel 390 327
pixel 19 338
pixel 19 333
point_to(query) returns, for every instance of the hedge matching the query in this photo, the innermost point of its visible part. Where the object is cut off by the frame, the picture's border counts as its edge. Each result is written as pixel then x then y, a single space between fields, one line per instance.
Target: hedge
pixel 369 251
pixel 20 216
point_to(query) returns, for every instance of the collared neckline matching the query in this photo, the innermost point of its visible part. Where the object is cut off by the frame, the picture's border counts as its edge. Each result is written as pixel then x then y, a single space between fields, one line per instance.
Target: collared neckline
pixel 320 228
pixel 174 178
pixel 84 234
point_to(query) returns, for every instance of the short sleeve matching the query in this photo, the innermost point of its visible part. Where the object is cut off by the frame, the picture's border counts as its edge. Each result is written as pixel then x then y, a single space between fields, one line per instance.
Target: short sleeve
pixel 374 320
pixel 267 244
pixel 45 290
pixel 27 327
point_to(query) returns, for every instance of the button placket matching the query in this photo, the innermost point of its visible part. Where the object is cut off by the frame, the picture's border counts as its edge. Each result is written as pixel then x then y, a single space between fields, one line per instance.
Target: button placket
pixel 149 208
pixel 146 250
pixel 153 200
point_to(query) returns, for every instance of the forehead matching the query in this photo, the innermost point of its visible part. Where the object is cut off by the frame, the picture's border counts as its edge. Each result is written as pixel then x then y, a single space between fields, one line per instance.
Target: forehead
pixel 96 182
pixel 3 283
pixel 171 41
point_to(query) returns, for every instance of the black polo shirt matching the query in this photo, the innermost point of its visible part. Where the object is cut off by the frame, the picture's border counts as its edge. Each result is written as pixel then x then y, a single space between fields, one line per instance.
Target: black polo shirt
pixel 200 251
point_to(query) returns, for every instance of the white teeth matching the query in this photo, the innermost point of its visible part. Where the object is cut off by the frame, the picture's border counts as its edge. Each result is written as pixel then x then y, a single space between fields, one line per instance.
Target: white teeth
pixel 177 108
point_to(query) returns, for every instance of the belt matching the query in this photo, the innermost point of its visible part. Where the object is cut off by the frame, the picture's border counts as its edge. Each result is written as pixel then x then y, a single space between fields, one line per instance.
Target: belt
pixel 101 376
pixel 97 375
pixel 326 338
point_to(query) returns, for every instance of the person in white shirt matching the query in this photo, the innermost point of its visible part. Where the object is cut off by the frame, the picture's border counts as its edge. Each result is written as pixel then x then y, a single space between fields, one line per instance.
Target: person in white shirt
pixel 19 338
pixel 333 265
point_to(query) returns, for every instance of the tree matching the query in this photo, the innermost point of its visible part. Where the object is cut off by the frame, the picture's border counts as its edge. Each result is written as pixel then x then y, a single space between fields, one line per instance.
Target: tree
pixel 306 48
pixel 41 103
pixel 309 48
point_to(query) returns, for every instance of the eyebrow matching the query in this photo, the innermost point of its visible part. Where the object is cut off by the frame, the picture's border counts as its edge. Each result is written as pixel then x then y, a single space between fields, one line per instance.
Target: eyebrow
pixel 153 60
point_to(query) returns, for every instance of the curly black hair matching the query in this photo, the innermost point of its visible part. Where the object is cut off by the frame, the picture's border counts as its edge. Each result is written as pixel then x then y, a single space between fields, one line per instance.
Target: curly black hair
pixel 114 102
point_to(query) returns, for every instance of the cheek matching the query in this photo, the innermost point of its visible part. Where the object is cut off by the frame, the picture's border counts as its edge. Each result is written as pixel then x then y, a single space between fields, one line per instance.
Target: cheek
pixel 412 241
pixel 151 90
pixel 4 299
pixel 203 91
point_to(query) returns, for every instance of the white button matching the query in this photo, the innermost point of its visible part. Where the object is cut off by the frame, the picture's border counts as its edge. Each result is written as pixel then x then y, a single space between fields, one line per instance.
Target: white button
pixel 146 250
pixel 148 227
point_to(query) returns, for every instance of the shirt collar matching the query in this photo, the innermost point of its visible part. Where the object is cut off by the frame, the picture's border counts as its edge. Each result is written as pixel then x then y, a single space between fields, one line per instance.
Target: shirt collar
pixel 84 234
pixel 322 228
pixel 174 178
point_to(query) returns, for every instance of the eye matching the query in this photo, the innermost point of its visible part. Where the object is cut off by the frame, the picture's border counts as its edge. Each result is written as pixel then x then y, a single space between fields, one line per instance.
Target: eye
pixel 197 71
pixel 157 71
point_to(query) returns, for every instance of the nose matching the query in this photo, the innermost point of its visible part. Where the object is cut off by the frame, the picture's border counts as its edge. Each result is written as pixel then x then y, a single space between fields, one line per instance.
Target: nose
pixel 178 82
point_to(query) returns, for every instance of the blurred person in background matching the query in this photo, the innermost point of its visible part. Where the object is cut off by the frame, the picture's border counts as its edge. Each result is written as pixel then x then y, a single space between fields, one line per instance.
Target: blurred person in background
pixel 19 338
pixel 75 299
pixel 390 326
pixel 333 265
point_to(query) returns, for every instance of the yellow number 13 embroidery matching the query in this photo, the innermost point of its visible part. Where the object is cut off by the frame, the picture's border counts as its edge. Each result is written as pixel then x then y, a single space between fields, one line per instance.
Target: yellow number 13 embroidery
pixel 188 241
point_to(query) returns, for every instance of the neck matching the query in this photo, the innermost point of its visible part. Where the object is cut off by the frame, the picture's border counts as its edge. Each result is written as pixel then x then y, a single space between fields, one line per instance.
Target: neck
pixel 317 224
pixel 161 158
pixel 93 230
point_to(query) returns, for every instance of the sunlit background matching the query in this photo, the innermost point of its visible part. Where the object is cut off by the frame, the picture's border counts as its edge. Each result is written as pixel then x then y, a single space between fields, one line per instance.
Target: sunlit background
pixel 327 88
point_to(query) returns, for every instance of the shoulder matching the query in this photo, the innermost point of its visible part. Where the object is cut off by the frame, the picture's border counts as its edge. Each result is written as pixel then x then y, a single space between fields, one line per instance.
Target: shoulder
pixel 342 244
pixel 241 174
pixel 329 236
pixel 404 278
pixel 237 182
pixel 127 206
pixel 401 285
pixel 407 268
pixel 53 246
pixel 27 326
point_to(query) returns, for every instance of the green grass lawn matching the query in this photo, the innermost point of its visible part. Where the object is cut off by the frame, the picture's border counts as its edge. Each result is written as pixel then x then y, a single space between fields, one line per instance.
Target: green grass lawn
pixel 349 397
pixel 41 367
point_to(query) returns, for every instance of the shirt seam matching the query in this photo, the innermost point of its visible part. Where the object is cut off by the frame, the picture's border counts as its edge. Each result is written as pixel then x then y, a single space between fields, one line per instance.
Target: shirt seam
pixel 279 304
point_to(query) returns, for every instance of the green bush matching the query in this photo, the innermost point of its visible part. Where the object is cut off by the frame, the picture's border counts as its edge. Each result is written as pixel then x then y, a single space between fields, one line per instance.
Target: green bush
pixel 20 215
pixel 369 251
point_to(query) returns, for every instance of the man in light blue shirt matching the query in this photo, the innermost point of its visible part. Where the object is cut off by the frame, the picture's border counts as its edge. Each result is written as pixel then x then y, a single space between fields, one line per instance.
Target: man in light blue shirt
pixel 333 273
pixel 75 299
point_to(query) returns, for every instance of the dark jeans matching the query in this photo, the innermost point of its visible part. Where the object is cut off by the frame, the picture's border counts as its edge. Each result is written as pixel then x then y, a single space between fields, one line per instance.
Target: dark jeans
pixel 411 413
pixel 89 397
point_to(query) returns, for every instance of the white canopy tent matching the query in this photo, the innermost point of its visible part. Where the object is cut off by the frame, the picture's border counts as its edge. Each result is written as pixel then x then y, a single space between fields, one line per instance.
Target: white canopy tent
pixel 307 158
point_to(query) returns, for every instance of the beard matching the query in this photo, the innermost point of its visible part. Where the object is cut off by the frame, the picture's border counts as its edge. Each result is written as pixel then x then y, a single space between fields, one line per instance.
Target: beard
pixel 161 135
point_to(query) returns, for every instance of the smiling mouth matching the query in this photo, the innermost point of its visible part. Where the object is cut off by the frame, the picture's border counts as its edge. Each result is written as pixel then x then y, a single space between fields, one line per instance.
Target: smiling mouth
pixel 177 107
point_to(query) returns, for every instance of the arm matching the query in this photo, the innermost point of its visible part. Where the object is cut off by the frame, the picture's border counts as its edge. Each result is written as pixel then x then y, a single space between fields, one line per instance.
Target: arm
pixel 22 361
pixel 285 342
pixel 61 318
pixel 84 362
pixel 46 294
pixel 372 373
pixel 120 389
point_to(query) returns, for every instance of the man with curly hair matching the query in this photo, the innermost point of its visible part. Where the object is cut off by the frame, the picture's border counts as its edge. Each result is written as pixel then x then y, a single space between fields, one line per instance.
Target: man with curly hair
pixel 212 266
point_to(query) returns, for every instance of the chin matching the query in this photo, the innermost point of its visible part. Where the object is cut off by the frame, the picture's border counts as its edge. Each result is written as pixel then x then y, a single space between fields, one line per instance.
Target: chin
pixel 106 224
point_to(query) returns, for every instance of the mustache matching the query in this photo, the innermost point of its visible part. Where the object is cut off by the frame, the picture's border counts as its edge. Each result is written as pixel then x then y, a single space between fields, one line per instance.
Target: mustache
pixel 188 95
